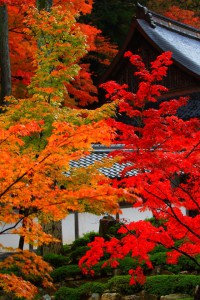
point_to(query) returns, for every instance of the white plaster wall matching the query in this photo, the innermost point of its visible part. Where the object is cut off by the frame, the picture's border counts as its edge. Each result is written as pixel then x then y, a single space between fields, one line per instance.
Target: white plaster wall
pixel 87 222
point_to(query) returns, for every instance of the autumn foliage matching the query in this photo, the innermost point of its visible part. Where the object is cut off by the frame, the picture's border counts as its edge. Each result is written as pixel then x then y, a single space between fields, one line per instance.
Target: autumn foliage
pixel 164 151
pixel 186 16
pixel 38 138
pixel 27 24
pixel 38 141
pixel 31 267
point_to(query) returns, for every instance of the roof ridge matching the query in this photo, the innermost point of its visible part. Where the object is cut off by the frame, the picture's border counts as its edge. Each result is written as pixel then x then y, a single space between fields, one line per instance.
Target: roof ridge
pixel 154 19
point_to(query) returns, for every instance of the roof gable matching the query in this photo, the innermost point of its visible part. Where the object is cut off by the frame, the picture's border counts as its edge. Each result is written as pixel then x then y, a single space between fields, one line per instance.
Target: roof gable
pixel 164 34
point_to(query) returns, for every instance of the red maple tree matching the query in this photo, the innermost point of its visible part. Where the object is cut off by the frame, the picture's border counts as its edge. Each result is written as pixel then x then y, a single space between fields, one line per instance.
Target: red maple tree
pixel 186 16
pixel 164 151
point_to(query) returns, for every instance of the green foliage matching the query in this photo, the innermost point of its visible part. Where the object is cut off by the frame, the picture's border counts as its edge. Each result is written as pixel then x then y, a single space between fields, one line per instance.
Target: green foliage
pixel 121 284
pixel 169 284
pixel 85 290
pixel 56 260
pixel 155 222
pixel 78 253
pixel 79 246
pixel 187 299
pixel 113 17
pixel 13 270
pixel 82 292
pixel 158 259
pixel 55 65
pixel 67 293
pixel 61 273
pixel 99 271
pixel 83 241
pixel 184 263
pixel 126 264
pixel 66 249
pixel 91 235
pixel 158 248
pixel 98 287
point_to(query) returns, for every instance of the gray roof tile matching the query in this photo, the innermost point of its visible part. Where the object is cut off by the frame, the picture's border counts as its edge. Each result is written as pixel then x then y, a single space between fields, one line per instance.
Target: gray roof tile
pixel 98 154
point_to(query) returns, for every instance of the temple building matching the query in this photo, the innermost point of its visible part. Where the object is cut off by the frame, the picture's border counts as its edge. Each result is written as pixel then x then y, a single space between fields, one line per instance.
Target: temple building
pixel 150 35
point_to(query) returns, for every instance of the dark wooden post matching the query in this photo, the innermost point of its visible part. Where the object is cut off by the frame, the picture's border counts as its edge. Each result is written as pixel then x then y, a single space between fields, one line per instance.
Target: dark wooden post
pixel 4 55
pixel 76 225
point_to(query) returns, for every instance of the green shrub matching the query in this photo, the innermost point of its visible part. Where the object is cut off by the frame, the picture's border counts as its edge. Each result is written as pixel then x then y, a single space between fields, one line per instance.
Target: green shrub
pixel 83 241
pixel 155 222
pixel 12 270
pixel 56 260
pixel 99 271
pixel 88 288
pixel 159 248
pixel 66 249
pixel 169 284
pixel 99 287
pixel 188 264
pixel 76 254
pixel 65 271
pixel 121 284
pixel 67 293
pixel 85 290
pixel 126 264
pixel 91 235
pixel 184 263
pixel 113 230
pixel 82 292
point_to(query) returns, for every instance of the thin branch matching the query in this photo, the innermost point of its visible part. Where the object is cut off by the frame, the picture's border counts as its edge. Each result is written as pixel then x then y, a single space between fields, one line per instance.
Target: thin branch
pixel 12 227
pixel 174 214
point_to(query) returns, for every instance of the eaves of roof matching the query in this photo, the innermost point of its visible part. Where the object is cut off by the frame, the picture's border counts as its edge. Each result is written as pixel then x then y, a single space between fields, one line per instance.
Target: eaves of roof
pixel 185 48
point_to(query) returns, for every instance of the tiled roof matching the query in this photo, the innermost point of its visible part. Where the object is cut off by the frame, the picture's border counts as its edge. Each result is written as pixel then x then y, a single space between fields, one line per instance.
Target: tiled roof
pixel 100 152
pixel 173 36
pixel 164 34
pixel 192 109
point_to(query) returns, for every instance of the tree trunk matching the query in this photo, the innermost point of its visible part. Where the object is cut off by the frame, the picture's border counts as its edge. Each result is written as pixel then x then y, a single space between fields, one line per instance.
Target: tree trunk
pixel 197 293
pixel 4 55
pixel 55 229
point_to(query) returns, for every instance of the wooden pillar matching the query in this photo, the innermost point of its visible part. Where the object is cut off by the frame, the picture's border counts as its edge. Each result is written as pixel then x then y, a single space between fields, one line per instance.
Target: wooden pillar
pixel 4 54
pixel 76 225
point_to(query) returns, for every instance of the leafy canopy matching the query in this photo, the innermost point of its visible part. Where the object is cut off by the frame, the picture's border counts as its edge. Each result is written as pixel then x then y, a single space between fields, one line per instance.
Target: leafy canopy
pixel 164 150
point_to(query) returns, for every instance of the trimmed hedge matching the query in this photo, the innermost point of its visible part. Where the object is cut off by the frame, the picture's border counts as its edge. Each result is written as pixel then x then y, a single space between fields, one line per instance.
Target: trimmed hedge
pixel 61 273
pixel 171 284
pixel 83 241
pixel 82 292
pixel 158 285
pixel 76 254
pixel 121 284
pixel 67 293
pixel 184 263
pixel 56 260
